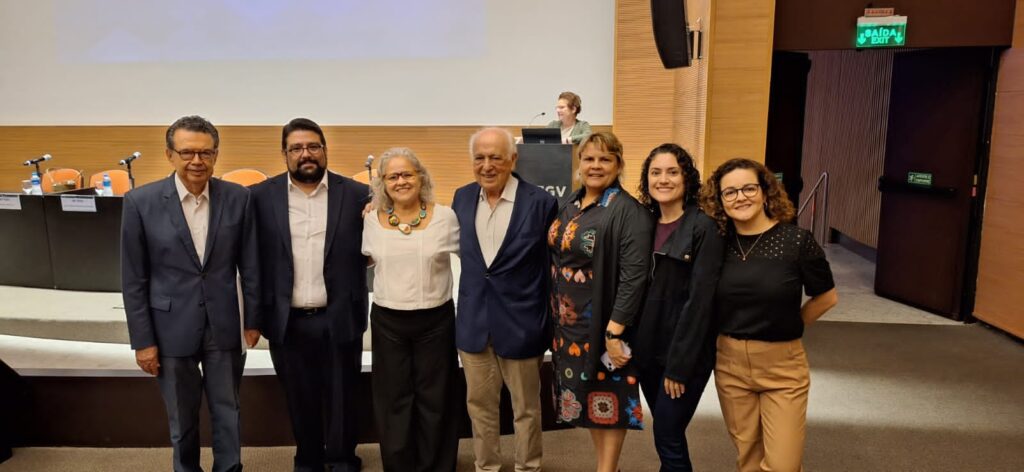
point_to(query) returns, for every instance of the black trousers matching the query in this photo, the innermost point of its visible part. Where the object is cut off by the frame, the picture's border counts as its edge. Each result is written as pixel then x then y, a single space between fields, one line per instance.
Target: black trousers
pixel 414 368
pixel 319 377
pixel 672 416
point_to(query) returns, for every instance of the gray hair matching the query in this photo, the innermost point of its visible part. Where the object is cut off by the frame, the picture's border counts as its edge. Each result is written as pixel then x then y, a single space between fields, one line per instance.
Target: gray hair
pixel 511 141
pixel 381 199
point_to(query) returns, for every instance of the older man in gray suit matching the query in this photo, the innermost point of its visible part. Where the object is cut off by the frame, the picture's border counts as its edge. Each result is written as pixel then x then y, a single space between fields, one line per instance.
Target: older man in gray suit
pixel 183 239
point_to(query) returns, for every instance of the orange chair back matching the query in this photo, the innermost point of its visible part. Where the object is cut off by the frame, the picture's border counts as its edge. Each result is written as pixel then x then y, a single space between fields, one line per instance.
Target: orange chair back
pixel 244 177
pixel 53 177
pixel 119 182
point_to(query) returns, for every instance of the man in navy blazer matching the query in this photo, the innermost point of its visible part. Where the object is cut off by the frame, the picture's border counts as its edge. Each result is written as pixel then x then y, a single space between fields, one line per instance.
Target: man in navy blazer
pixel 501 328
pixel 314 296
pixel 183 240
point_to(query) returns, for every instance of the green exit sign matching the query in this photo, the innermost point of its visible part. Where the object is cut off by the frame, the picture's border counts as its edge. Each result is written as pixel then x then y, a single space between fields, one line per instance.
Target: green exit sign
pixel 881 32
pixel 921 179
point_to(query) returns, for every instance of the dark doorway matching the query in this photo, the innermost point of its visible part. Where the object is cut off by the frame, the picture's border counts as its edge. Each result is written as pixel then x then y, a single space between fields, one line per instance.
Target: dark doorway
pixel 786 102
pixel 937 109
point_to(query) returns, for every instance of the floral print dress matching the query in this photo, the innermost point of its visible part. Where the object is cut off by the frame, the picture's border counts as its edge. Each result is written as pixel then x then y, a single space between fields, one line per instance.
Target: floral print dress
pixel 612 399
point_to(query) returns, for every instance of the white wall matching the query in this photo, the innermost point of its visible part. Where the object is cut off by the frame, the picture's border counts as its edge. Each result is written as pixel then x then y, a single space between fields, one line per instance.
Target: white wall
pixel 457 62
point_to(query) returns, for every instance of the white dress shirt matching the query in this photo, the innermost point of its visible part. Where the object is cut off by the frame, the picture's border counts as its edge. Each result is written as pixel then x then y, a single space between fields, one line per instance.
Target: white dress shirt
pixel 197 214
pixel 412 271
pixel 492 224
pixel 307 220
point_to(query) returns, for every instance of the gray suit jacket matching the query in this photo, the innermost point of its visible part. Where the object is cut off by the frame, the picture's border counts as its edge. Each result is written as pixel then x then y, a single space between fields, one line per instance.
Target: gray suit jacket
pixel 168 292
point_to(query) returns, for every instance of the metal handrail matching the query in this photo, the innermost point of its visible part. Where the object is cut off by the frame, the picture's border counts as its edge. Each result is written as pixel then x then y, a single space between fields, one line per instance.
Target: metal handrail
pixel 821 184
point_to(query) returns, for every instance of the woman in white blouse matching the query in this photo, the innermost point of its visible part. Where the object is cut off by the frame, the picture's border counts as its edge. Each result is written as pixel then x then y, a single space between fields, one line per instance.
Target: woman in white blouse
pixel 410 240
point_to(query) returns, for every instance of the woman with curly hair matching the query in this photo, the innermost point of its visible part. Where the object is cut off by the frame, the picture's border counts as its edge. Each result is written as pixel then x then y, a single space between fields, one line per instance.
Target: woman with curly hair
pixel 761 370
pixel 675 340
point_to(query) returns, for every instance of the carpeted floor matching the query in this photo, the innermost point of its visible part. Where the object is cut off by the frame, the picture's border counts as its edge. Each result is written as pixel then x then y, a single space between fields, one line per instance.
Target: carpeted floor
pixel 884 397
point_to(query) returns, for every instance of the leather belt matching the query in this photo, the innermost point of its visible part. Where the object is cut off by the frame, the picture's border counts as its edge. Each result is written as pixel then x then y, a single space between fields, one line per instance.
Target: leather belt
pixel 308 311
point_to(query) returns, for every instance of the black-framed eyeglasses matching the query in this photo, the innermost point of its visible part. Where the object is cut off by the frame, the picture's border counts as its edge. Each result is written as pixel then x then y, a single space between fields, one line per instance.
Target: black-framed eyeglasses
pixel 189 154
pixel 314 150
pixel 749 191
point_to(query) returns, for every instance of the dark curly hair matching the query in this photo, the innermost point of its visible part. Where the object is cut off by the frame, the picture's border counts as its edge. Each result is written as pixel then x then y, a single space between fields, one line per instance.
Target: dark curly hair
pixel 691 177
pixel 778 207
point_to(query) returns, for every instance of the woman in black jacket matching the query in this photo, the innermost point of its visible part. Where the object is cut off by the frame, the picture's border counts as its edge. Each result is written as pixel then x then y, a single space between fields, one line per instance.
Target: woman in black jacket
pixel 675 337
pixel 600 246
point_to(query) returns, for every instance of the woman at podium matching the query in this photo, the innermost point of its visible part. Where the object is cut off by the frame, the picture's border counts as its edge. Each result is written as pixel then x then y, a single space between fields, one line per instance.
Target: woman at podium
pixel 573 130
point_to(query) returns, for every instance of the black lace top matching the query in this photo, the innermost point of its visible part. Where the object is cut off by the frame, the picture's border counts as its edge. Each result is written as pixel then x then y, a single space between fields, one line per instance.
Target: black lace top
pixel 759 292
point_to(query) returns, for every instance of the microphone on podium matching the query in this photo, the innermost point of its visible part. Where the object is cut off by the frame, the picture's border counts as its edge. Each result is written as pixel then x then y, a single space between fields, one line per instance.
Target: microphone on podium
pixel 129 159
pixel 538 115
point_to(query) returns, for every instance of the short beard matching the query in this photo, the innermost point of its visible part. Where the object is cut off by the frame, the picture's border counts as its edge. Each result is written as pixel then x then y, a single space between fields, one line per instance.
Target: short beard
pixel 310 178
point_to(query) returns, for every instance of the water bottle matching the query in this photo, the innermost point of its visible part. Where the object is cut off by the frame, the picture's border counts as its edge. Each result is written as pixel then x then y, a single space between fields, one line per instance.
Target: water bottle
pixel 107 190
pixel 37 188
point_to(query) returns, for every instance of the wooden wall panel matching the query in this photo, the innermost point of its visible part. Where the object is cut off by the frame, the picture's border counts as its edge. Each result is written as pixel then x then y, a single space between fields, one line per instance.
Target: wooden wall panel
pixel 844 134
pixel 718 107
pixel 803 25
pixel 643 91
pixel 443 149
pixel 740 61
pixel 999 297
pixel 691 91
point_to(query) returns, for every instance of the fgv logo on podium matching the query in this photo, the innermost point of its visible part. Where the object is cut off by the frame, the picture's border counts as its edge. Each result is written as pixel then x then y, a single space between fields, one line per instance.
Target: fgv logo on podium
pixel 558 191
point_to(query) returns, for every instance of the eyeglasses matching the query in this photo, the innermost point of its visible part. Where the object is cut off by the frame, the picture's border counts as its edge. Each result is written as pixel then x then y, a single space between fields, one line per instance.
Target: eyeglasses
pixel 749 191
pixel 392 178
pixel 189 154
pixel 314 150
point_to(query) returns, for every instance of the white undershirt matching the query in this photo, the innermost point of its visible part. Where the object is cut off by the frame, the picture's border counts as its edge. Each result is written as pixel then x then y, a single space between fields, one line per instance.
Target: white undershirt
pixel 412 271
pixel 197 214
pixel 491 225
pixel 307 220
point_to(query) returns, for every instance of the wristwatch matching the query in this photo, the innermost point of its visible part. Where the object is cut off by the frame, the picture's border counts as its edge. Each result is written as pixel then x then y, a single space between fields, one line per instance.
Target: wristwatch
pixel 610 335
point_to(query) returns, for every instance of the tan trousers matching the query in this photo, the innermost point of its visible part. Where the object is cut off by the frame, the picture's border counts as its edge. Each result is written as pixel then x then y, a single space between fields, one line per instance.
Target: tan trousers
pixel 485 373
pixel 762 387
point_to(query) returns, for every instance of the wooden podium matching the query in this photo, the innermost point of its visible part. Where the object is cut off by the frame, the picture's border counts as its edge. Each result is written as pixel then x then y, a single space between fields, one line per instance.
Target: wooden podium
pixel 549 166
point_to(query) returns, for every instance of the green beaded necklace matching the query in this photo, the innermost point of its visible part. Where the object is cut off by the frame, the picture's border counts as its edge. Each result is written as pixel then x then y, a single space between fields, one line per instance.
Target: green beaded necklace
pixel 406 228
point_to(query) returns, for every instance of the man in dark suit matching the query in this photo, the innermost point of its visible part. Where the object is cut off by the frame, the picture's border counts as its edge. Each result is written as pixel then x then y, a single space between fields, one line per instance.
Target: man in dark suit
pixel 183 240
pixel 315 299
pixel 501 329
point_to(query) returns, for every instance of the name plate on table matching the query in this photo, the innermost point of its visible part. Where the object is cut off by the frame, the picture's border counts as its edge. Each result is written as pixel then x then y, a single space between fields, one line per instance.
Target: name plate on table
pixel 10 201
pixel 79 203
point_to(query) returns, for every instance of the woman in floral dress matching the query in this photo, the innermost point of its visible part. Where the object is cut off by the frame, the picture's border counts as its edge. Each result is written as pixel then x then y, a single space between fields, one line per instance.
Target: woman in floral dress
pixel 600 248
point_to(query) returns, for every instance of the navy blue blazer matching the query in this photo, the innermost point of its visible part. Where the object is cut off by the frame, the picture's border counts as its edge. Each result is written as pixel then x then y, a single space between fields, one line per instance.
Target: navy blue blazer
pixel 344 262
pixel 168 293
pixel 508 302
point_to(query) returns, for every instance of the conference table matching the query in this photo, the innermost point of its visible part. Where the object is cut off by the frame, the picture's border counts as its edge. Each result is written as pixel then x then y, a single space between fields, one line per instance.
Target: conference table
pixel 67 241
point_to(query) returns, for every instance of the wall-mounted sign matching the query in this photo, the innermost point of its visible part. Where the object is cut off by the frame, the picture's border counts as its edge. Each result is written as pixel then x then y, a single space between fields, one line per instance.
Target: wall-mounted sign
pixel 778 176
pixel 881 31
pixel 879 11
pixel 923 179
